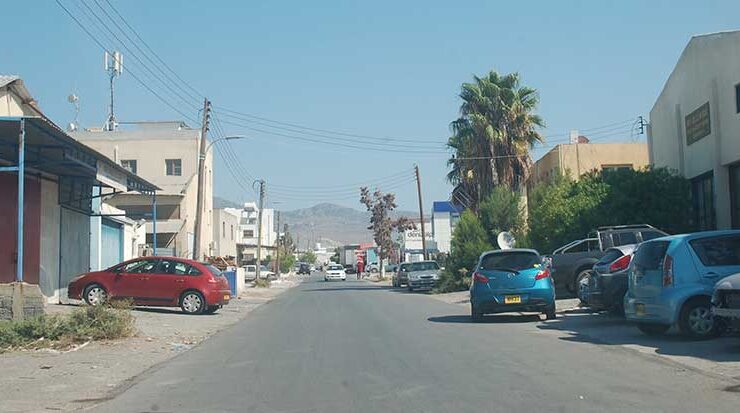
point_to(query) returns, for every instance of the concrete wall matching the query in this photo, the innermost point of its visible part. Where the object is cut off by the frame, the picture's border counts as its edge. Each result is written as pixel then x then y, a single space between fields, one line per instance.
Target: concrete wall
pixel 225 233
pixel 74 253
pixel 442 231
pixel 707 72
pixel 49 264
pixel 12 105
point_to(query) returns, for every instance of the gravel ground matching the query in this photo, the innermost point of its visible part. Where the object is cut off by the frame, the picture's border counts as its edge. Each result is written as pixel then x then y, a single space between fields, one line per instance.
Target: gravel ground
pixel 66 381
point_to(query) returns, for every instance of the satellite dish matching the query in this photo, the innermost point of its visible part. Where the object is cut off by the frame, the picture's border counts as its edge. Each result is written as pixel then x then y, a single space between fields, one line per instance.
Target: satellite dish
pixel 505 240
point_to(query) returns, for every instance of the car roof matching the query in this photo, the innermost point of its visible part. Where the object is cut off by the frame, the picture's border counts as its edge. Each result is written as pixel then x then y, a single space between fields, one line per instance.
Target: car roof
pixel 624 249
pixel 695 235
pixel 510 250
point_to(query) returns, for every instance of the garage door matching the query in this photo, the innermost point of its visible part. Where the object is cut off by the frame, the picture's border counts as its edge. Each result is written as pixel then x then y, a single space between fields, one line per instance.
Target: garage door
pixel 111 245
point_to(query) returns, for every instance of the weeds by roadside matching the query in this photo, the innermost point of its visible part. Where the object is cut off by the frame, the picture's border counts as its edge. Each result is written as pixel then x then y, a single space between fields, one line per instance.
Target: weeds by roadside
pixel 447 283
pixel 86 323
pixel 262 283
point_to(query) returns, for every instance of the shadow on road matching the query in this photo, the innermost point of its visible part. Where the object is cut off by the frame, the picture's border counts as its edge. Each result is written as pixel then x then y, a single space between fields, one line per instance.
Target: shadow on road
pixel 489 319
pixel 168 310
pixel 605 329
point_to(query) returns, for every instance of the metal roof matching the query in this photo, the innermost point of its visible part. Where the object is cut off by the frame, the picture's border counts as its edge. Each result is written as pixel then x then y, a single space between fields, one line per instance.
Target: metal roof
pixel 7 79
pixel 444 206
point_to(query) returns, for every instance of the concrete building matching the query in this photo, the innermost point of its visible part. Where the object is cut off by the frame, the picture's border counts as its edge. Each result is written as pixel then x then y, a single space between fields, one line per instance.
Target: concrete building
pixel 695 127
pixel 249 230
pixel 581 158
pixel 445 216
pixel 60 177
pixel 165 153
pixel 225 232
pixel 412 249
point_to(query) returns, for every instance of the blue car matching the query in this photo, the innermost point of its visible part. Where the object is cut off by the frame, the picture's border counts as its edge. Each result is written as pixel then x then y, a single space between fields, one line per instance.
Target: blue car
pixel 671 280
pixel 511 280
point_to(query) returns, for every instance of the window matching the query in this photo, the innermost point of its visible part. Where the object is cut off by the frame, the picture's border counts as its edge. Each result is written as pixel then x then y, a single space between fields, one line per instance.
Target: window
pixel 174 267
pixel 232 232
pixel 614 168
pixel 624 238
pixel 193 271
pixel 737 98
pixel 702 197
pixel 248 233
pixel 717 251
pixel 648 235
pixel 649 256
pixel 516 261
pixel 129 164
pixel 173 167
pixel 139 267
pixel 223 229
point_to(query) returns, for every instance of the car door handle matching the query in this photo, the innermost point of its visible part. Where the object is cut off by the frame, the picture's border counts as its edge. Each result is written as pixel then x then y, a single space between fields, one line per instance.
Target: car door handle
pixel 144 278
pixel 711 275
pixel 179 280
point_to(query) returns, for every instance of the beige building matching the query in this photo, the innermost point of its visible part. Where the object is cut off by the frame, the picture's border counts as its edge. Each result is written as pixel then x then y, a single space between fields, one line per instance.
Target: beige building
pixel 225 231
pixel 580 158
pixel 166 154
pixel 695 127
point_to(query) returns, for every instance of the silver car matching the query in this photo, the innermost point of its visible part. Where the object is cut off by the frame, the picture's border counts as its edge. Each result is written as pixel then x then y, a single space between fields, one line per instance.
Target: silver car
pixel 726 300
pixel 420 275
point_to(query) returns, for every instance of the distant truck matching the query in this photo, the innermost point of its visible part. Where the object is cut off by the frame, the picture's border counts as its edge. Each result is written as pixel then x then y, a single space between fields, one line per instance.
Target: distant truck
pixel 571 264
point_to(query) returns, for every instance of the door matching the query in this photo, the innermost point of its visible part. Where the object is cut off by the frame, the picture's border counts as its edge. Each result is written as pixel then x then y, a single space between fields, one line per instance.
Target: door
pixel 717 256
pixel 131 279
pixel 646 274
pixel 111 243
pixel 168 282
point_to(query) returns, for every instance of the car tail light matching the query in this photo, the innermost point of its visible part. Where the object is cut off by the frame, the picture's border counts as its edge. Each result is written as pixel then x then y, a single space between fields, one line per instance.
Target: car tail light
pixel 667 271
pixel 542 274
pixel 480 277
pixel 621 264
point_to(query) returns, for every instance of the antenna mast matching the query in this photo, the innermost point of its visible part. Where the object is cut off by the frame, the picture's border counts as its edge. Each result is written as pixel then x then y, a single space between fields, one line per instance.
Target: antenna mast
pixel 114 67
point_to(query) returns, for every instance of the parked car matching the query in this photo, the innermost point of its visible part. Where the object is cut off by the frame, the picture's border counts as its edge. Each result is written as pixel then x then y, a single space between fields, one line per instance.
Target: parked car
pixel 572 263
pixel 671 281
pixel 251 272
pixel 400 278
pixel 335 272
pixel 726 301
pixel 373 267
pixel 156 281
pixel 420 275
pixel 511 280
pixel 350 269
pixel 304 269
pixel 607 284
pixel 391 269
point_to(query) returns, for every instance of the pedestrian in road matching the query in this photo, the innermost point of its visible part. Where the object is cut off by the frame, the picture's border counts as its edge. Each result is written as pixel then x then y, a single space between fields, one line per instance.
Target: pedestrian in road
pixel 360 268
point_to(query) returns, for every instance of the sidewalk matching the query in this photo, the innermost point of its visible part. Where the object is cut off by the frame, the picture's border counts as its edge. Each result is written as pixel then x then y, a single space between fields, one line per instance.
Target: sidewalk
pixel 50 380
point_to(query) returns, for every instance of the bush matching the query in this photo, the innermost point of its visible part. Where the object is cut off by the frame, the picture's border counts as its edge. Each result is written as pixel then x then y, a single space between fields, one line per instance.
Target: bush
pixel 103 322
pixel 262 283
pixel 469 240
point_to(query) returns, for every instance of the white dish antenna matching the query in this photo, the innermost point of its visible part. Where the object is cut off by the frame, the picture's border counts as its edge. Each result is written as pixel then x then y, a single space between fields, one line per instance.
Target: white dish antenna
pixel 505 240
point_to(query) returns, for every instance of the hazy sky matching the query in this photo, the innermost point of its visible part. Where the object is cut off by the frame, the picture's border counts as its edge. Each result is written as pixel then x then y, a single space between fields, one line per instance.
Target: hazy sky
pixel 375 68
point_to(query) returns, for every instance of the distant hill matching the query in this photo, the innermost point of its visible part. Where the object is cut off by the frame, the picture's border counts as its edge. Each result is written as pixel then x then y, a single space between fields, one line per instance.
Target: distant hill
pixel 219 202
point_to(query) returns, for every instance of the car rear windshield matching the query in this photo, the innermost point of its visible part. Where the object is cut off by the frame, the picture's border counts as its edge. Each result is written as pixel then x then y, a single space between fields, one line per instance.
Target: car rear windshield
pixel 717 251
pixel 215 271
pixel 649 255
pixel 422 266
pixel 335 267
pixel 514 260
pixel 610 256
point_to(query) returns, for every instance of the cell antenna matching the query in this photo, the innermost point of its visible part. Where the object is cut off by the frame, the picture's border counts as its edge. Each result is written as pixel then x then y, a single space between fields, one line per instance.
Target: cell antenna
pixel 114 67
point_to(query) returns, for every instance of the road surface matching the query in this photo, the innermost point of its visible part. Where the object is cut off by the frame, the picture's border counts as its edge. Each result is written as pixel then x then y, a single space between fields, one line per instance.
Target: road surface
pixel 358 347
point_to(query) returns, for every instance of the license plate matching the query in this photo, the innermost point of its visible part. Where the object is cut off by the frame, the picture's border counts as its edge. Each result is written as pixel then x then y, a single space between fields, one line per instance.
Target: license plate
pixel 512 299
pixel 226 297
pixel 640 309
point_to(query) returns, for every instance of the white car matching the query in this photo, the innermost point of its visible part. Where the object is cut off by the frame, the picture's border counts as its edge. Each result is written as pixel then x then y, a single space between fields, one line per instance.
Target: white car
pixel 250 272
pixel 335 272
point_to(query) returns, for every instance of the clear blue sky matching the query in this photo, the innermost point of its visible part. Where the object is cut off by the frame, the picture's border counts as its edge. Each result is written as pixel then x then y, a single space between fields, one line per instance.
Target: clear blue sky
pixel 381 68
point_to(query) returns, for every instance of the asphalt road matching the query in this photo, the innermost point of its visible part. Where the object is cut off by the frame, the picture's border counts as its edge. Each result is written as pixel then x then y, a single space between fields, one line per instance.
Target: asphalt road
pixel 358 347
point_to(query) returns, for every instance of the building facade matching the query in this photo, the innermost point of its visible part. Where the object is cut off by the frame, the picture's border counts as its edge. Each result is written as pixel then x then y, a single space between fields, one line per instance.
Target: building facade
pixel 412 249
pixel 225 232
pixel 445 216
pixel 580 158
pixel 695 127
pixel 166 154
pixel 249 231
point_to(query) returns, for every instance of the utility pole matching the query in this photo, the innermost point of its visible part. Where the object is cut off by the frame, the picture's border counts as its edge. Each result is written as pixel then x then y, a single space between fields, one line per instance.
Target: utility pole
pixel 259 226
pixel 201 179
pixel 277 250
pixel 421 212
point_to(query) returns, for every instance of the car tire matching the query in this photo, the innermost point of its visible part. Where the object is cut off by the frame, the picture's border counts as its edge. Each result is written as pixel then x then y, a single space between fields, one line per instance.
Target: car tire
pixel 550 313
pixel 410 288
pixel 581 284
pixel 696 321
pixel 192 302
pixel 476 315
pixel 95 294
pixel 211 309
pixel 652 329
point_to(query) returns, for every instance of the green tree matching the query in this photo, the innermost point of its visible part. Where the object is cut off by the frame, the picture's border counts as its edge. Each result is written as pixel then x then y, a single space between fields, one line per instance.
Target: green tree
pixel 502 211
pixel 308 257
pixel 469 241
pixel 493 135
pixel 287 260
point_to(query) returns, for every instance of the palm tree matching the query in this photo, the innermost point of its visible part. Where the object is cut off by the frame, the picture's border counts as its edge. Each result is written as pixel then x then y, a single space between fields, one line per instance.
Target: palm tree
pixel 493 135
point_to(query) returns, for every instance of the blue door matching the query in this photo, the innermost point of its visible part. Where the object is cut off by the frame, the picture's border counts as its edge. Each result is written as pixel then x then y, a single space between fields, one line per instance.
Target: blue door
pixel 111 243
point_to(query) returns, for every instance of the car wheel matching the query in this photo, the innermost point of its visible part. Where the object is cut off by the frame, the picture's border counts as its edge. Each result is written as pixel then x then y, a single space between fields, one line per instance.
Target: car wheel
pixel 192 302
pixel 475 314
pixel 410 288
pixel 550 313
pixel 696 320
pixel 581 285
pixel 653 329
pixel 211 309
pixel 95 294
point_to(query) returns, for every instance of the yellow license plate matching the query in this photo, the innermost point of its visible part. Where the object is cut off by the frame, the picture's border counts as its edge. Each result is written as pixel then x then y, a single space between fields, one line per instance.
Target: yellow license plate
pixel 640 309
pixel 512 299
pixel 226 296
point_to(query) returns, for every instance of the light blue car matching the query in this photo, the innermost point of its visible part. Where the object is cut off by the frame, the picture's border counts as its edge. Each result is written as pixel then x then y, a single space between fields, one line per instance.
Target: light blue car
pixel 671 280
pixel 511 280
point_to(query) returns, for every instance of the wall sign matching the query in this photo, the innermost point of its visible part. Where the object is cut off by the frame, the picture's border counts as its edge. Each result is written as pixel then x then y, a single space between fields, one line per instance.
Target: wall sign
pixel 698 124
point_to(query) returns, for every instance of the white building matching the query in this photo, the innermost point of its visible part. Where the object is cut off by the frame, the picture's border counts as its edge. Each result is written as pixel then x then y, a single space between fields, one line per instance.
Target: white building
pixel 445 216
pixel 166 154
pixel 695 127
pixel 225 231
pixel 412 249
pixel 249 230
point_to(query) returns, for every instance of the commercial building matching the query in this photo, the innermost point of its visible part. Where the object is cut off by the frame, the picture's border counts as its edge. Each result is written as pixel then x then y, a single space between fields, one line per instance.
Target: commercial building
pixel 225 232
pixel 412 249
pixel 583 157
pixel 46 233
pixel 445 216
pixel 695 127
pixel 249 230
pixel 166 154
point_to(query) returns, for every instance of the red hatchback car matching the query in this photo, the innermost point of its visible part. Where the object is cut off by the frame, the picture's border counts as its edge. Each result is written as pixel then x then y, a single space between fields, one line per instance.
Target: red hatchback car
pixel 195 287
